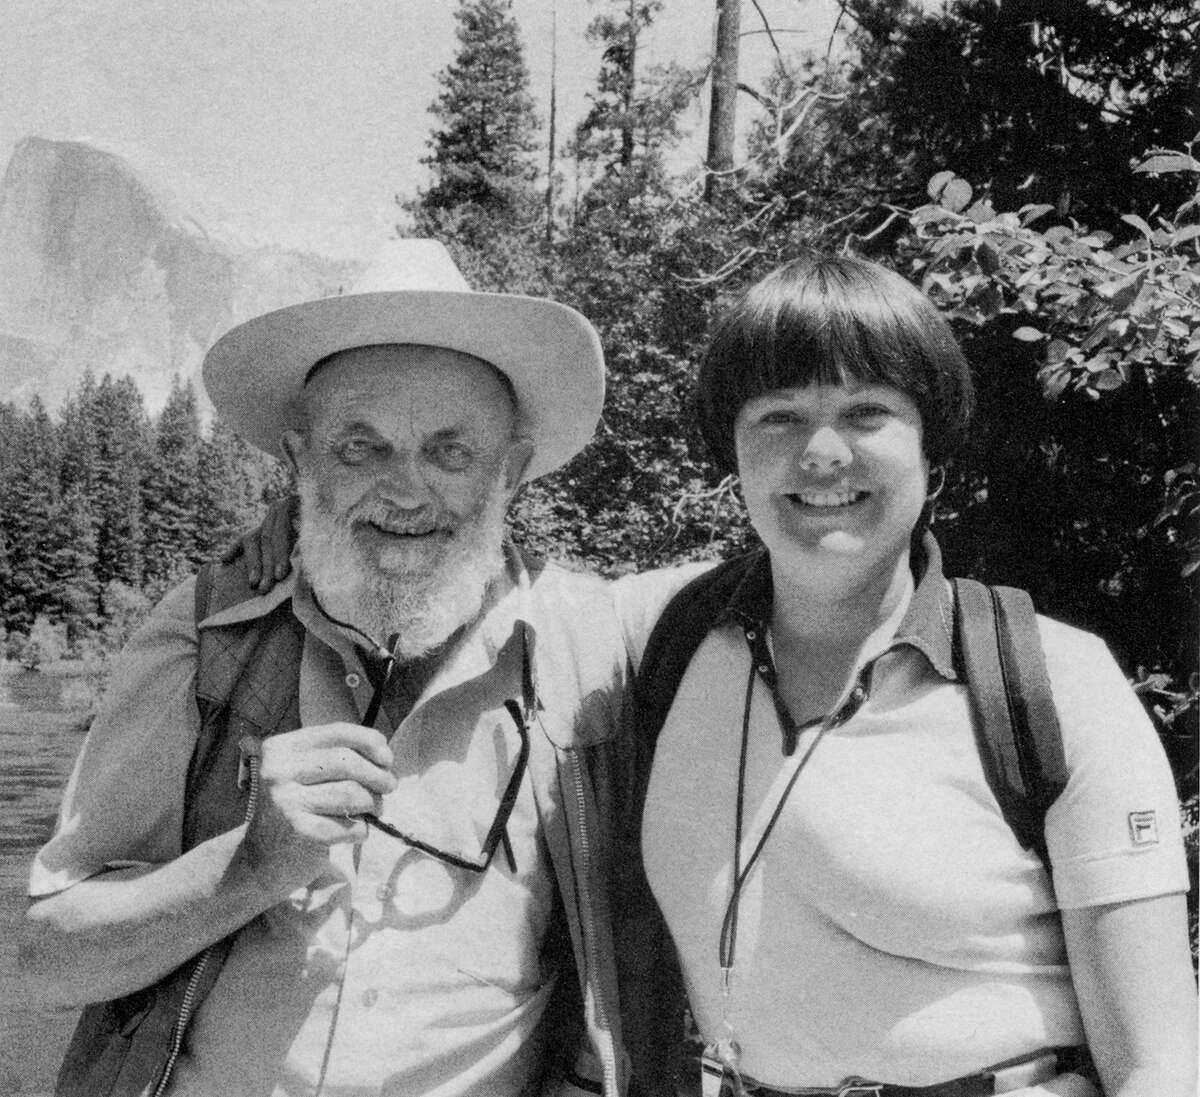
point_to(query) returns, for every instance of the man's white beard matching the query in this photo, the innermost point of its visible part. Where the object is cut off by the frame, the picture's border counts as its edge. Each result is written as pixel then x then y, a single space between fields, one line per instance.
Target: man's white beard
pixel 424 603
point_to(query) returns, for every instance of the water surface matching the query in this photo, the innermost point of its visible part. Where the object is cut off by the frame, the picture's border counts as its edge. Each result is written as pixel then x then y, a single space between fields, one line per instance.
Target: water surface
pixel 39 738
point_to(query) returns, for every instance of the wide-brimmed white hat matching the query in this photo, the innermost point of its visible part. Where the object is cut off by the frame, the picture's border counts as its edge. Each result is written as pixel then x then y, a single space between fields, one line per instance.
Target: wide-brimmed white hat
pixel 413 293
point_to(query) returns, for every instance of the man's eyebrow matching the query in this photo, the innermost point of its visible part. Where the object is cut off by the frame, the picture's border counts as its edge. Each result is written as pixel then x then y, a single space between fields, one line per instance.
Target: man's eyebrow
pixel 455 432
pixel 338 431
pixel 459 430
pixel 352 426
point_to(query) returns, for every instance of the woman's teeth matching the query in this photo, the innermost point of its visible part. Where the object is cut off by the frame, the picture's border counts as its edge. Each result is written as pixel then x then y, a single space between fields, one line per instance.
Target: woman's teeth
pixel 829 498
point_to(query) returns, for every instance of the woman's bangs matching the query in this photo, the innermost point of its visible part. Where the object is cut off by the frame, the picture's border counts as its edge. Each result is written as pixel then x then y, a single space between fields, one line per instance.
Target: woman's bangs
pixel 835 350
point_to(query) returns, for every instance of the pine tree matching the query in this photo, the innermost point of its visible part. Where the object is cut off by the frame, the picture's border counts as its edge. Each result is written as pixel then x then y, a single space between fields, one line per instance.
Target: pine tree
pixel 10 424
pixel 75 553
pixel 481 156
pixel 10 430
pixel 30 512
pixel 5 585
pixel 123 444
pixel 73 563
pixel 170 490
pixel 77 432
pixel 633 118
pixel 230 489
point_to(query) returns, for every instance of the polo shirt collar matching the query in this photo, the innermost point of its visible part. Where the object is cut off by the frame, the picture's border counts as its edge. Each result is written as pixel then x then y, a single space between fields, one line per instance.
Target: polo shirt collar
pixel 927 625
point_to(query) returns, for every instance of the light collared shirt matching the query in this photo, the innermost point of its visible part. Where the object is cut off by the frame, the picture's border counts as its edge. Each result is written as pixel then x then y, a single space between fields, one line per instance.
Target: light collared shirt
pixel 392 973
pixel 893 927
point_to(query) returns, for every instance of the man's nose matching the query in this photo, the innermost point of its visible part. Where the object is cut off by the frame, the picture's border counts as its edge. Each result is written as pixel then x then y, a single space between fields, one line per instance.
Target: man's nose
pixel 401 484
pixel 826 449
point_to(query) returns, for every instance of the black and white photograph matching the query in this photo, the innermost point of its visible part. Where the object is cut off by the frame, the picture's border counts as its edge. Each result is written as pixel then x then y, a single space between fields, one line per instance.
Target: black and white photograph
pixel 644 548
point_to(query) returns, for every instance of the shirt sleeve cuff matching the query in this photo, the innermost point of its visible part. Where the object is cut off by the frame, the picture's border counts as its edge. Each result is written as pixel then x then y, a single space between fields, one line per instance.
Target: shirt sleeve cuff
pixel 44 881
pixel 1120 877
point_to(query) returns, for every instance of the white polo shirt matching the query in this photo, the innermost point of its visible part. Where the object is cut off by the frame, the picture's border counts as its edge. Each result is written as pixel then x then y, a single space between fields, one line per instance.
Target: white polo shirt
pixel 893 927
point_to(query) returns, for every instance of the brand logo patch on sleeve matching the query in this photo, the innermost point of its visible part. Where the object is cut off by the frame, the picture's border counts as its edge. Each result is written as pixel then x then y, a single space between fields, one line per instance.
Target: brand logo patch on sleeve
pixel 1143 828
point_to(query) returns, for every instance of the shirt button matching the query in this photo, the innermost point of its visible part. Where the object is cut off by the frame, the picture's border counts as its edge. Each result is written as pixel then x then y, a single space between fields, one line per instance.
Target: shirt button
pixel 859 695
pixel 369 997
pixel 384 892
pixel 353 680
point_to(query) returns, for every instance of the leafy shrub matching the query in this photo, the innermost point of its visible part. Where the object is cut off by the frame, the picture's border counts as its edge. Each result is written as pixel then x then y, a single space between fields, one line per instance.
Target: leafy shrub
pixel 1082 484
pixel 45 644
pixel 124 610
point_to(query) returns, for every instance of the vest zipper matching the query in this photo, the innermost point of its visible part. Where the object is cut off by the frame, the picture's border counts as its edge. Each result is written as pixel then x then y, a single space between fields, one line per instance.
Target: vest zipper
pixel 583 882
pixel 188 1004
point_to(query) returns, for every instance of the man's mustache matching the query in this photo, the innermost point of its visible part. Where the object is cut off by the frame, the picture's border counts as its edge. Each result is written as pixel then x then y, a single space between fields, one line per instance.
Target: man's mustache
pixel 398 522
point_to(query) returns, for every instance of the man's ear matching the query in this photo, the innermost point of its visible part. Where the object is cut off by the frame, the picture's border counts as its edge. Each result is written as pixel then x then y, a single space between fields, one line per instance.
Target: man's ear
pixel 292 443
pixel 520 453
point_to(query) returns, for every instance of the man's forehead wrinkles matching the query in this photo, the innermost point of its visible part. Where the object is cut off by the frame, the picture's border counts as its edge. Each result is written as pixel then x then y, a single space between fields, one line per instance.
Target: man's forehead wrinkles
pixel 415 421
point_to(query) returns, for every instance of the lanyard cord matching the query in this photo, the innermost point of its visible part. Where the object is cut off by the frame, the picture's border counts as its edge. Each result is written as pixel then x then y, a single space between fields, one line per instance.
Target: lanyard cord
pixel 385 652
pixel 728 941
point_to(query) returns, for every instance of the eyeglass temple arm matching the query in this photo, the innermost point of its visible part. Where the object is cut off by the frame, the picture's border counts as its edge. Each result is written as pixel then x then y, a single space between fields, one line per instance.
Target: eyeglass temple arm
pixel 498 834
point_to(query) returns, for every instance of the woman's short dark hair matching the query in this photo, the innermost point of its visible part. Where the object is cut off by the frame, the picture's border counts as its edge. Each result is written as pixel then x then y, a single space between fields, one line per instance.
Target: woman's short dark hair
pixel 830 320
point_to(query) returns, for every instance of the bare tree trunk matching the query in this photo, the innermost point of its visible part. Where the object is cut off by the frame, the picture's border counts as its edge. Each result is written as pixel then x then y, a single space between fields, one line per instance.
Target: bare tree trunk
pixel 630 89
pixel 723 113
pixel 553 123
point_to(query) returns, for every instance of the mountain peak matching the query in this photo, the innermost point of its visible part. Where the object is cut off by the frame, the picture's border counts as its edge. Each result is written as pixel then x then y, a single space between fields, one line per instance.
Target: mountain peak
pixel 110 259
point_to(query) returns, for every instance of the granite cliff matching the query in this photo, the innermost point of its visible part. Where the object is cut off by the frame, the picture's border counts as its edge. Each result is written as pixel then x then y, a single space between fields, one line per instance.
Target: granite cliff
pixel 105 262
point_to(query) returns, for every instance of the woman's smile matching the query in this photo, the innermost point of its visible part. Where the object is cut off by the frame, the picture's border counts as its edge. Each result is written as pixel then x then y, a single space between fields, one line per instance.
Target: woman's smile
pixel 831 501
pixel 834 472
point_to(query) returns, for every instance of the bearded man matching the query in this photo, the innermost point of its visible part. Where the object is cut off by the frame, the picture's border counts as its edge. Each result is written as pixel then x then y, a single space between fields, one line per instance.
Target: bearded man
pixel 347 837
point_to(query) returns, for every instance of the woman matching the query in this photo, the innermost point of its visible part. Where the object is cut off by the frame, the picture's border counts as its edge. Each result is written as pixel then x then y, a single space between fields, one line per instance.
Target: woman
pixel 842 891
pixel 819 846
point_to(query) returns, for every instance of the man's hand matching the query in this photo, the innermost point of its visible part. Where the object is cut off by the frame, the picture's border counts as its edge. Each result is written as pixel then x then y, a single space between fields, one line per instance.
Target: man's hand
pixel 315 783
pixel 266 551
pixel 125 928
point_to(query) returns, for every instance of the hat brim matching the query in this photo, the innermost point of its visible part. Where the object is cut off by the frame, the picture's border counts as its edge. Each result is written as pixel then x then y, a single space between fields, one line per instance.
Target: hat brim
pixel 255 373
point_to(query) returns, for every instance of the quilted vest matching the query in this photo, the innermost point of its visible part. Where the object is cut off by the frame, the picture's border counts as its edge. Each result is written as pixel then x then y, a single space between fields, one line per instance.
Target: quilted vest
pixel 246 684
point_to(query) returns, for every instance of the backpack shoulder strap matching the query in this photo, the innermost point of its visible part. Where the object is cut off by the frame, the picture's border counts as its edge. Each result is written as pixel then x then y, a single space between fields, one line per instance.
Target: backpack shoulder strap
pixel 680 629
pixel 1016 725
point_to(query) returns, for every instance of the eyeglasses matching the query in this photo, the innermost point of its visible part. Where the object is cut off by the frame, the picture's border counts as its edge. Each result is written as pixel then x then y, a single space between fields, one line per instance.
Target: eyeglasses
pixel 497 835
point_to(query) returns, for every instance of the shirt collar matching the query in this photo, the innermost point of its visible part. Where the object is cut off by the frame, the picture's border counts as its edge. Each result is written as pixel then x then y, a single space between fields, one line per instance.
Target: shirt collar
pixel 256 606
pixel 505 612
pixel 927 625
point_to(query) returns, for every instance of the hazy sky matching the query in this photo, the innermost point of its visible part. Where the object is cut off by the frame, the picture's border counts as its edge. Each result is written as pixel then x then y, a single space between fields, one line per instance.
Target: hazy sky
pixel 302 118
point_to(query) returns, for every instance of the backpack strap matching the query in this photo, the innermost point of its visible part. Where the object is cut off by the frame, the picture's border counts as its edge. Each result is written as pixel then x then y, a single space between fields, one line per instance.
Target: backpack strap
pixel 1016 724
pixel 680 629
pixel 651 1022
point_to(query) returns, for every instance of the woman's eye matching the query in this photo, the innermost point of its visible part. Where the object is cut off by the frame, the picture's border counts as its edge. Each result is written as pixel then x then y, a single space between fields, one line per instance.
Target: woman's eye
pixel 777 418
pixel 868 413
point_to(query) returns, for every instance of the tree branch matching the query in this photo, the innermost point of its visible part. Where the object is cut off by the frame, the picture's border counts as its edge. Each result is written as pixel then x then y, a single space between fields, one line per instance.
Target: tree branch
pixel 757 95
pixel 767 29
pixel 837 23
